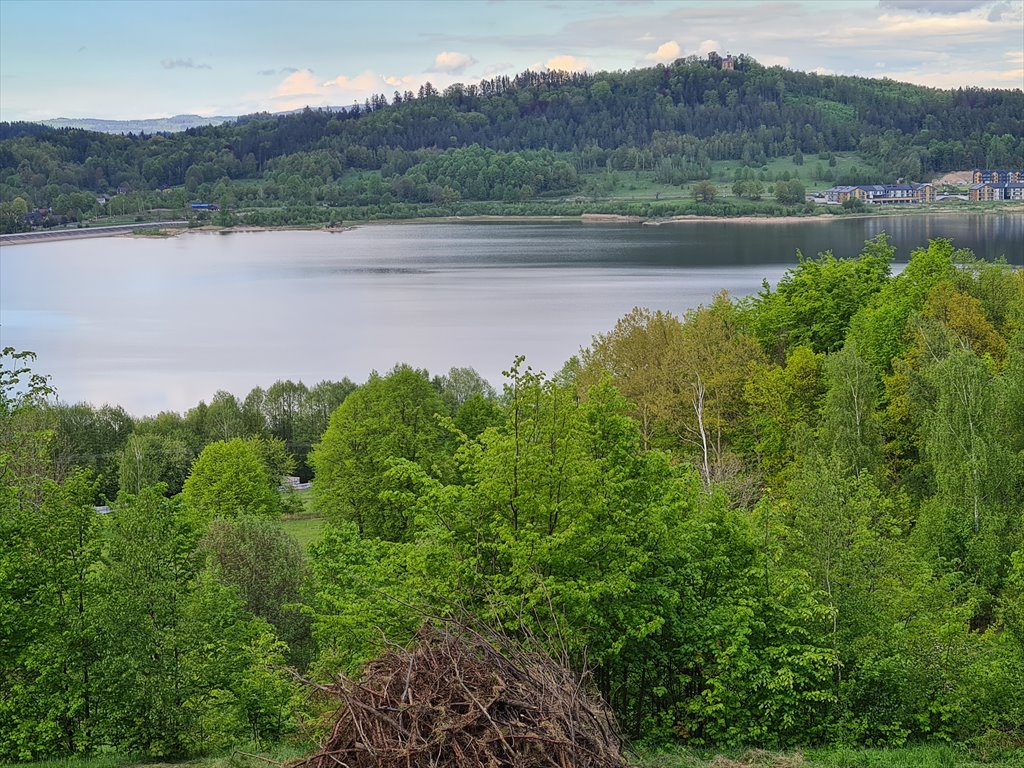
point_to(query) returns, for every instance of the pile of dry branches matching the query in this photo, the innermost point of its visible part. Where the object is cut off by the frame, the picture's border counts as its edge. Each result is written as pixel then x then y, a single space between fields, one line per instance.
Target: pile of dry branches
pixel 458 698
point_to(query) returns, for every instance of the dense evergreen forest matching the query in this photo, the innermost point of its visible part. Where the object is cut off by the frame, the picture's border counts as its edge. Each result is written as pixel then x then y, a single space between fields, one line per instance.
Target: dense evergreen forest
pixel 516 143
pixel 792 519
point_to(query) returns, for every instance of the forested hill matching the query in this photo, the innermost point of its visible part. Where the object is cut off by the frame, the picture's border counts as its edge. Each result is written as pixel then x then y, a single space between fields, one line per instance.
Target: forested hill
pixel 678 118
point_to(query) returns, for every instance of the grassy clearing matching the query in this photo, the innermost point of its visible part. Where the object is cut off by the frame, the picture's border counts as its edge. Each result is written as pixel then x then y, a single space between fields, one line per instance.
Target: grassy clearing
pixel 305 528
pixel 723 171
pixel 642 186
pixel 306 525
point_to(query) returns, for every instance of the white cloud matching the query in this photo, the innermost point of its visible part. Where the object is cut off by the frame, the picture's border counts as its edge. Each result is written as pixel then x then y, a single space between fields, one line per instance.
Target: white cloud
pixel 992 78
pixel 932 6
pixel 299 83
pixel 568 63
pixel 844 37
pixel 499 68
pixel 822 71
pixel 707 46
pixel 453 62
pixel 366 81
pixel 665 53
pixel 304 88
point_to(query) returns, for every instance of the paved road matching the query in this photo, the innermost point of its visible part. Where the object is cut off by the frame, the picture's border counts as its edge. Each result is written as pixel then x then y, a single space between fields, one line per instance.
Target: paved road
pixel 68 234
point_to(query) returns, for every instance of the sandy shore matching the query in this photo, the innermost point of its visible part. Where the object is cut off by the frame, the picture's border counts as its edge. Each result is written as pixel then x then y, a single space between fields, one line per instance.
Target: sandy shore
pixel 586 218
pixel 741 219
pixel 611 218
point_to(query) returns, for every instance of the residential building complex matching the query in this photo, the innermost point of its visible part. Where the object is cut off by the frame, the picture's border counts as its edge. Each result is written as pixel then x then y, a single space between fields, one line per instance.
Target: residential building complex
pixel 882 193
pixel 990 190
pixel 983 176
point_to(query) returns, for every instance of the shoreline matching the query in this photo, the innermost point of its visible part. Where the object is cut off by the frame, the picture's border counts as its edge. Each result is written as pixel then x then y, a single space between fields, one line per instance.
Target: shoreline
pixel 173 229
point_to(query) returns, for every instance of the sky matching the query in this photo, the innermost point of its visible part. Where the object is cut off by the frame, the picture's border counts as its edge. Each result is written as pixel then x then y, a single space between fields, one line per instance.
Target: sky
pixel 137 59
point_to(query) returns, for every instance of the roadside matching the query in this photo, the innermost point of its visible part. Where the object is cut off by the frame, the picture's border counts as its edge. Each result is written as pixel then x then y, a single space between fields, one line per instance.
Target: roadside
pixel 84 232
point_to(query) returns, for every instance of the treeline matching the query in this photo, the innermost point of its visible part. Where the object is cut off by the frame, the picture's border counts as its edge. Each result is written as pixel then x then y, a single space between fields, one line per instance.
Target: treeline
pixel 672 119
pixel 796 518
pixel 115 446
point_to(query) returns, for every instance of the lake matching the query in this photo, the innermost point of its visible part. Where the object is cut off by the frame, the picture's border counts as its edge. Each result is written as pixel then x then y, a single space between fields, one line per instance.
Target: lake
pixel 156 324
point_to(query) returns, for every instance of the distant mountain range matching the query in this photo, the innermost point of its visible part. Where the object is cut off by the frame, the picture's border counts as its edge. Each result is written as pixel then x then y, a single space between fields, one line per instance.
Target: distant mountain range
pixel 156 125
pixel 174 124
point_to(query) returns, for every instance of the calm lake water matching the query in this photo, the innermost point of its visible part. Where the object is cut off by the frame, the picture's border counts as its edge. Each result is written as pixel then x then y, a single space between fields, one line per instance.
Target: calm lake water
pixel 160 324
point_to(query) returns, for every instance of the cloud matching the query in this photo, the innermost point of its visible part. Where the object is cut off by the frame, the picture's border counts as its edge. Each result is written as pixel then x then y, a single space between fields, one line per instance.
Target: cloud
pixel 964 77
pixel 873 39
pixel 301 83
pixel 281 71
pixel 568 63
pixel 499 68
pixel 707 46
pixel 822 71
pixel 182 64
pixel 932 6
pixel 453 62
pixel 665 52
pixel 998 11
pixel 303 88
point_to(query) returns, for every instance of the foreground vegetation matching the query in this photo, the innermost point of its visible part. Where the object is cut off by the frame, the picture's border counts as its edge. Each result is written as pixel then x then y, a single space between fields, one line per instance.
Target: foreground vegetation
pixel 642 142
pixel 788 521
pixel 931 756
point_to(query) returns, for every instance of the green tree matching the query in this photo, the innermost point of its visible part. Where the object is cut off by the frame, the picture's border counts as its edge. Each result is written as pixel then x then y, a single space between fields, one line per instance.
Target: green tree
pixel 784 406
pixel 223 418
pixel 231 479
pixel 637 355
pixel 47 620
pixel 850 424
pixel 705 192
pixel 147 459
pixel 184 668
pixel 268 567
pixel 967 521
pixel 12 216
pixel 670 615
pixel 814 303
pixel 91 438
pixel 315 413
pixel 879 327
pixel 390 417
pixel 790 192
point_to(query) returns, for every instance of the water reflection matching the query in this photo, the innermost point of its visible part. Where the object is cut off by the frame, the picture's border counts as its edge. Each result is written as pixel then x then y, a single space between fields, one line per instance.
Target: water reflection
pixel 154 324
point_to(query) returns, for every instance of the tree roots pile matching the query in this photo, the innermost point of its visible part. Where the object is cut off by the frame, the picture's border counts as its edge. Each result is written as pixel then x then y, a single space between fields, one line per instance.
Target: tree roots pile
pixel 459 699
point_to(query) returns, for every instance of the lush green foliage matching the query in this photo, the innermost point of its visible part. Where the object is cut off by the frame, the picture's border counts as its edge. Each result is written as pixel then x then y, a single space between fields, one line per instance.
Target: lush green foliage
pixel 793 520
pixel 744 551
pixel 511 141
pixel 229 479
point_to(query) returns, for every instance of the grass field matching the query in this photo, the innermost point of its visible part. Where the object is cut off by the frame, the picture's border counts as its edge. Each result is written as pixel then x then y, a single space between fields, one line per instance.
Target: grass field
pixel 305 528
pixel 306 525
pixel 640 186
pixel 925 756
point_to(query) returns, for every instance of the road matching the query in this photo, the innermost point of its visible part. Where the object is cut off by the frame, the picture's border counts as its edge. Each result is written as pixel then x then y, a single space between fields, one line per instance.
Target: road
pixel 69 234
